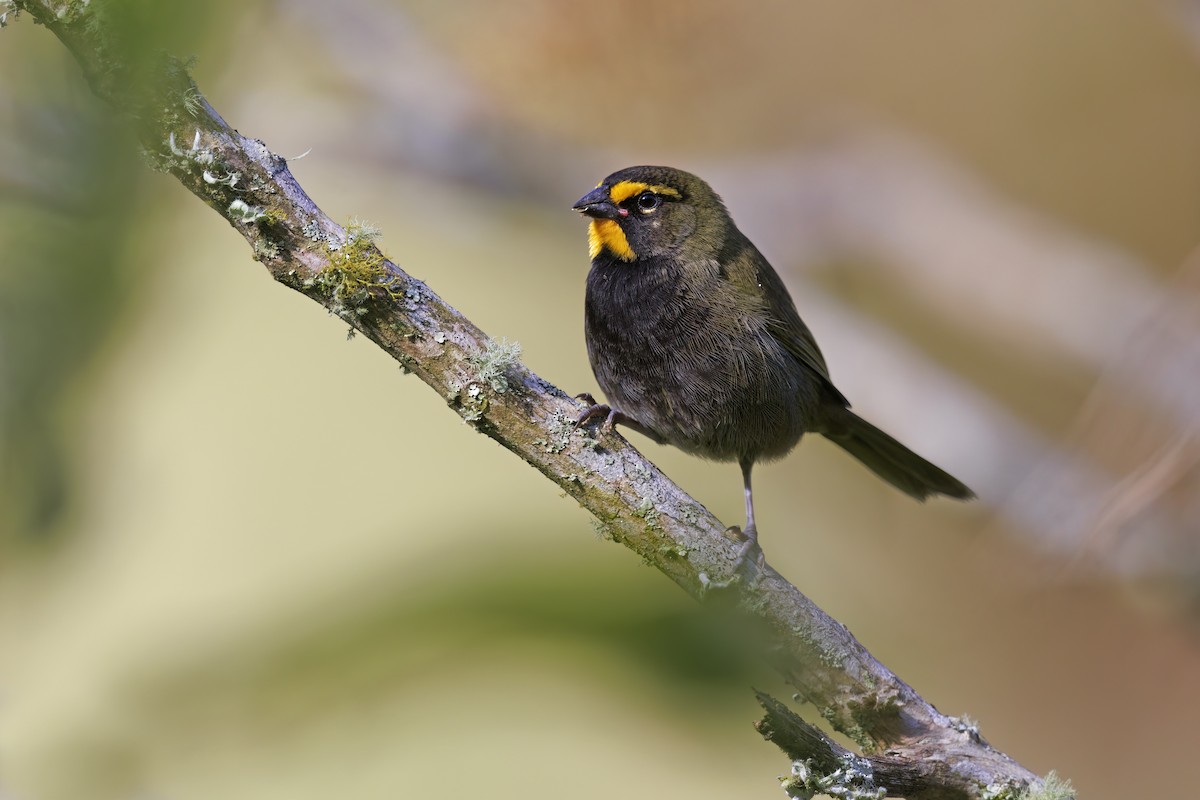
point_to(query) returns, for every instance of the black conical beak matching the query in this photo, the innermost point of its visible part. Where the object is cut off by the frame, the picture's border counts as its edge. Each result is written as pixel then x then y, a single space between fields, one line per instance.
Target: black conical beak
pixel 597 204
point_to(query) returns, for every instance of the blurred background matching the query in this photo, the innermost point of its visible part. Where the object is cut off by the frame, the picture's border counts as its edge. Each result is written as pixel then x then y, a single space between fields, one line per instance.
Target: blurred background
pixel 241 557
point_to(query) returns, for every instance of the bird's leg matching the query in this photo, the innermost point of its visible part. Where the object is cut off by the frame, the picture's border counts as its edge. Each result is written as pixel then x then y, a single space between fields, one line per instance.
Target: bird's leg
pixel 749 551
pixel 750 532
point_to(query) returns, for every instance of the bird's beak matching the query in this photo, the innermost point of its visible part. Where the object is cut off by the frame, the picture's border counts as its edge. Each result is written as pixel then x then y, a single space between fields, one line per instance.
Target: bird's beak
pixel 597 204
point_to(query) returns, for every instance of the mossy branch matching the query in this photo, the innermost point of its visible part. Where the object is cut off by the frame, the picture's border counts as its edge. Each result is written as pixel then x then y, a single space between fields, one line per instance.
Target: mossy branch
pixel 926 754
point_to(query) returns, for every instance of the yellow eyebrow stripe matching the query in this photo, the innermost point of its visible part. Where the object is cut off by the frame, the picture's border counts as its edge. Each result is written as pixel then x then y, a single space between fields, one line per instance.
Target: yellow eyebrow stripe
pixel 624 190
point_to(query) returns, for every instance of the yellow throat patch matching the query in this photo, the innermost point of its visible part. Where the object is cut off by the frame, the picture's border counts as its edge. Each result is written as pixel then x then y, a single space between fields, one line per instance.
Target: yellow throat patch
pixel 606 234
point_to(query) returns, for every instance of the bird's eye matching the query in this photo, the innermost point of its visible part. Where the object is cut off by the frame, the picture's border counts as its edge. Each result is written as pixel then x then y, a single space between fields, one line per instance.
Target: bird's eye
pixel 648 201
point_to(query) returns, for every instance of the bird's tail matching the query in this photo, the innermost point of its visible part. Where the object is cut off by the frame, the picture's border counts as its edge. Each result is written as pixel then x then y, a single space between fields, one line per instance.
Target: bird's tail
pixel 891 460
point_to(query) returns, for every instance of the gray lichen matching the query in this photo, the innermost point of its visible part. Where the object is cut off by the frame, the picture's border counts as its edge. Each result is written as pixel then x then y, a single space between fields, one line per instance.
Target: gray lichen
pixel 853 780
pixel 491 364
pixel 559 430
pixel 1052 788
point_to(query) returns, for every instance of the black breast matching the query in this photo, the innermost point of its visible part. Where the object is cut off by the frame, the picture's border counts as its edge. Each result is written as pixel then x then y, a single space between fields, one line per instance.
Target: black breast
pixel 680 357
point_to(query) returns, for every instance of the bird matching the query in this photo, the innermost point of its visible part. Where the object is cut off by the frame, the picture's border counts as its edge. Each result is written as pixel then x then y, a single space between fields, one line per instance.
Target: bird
pixel 696 342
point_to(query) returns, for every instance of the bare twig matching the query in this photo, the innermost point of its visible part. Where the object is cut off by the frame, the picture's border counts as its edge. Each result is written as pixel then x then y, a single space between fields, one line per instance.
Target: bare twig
pixel 482 380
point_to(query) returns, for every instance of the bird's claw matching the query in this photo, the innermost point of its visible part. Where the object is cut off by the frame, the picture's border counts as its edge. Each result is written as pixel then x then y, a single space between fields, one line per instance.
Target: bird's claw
pixel 750 552
pixel 595 409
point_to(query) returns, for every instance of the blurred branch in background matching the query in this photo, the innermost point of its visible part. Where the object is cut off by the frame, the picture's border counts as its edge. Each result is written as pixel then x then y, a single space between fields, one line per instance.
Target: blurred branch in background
pixel 1186 15
pixel 1163 447
pixel 925 227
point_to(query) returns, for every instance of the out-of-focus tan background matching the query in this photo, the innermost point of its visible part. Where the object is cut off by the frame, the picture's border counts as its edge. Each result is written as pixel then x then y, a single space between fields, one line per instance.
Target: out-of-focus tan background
pixel 242 557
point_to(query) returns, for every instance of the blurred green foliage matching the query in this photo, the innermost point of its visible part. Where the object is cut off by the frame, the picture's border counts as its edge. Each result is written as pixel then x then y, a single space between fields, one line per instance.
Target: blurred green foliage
pixel 69 199
pixel 677 650
pixel 71 196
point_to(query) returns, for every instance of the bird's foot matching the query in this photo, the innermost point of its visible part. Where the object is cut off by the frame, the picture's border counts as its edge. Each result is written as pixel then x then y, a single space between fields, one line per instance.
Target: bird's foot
pixel 750 547
pixel 750 552
pixel 594 409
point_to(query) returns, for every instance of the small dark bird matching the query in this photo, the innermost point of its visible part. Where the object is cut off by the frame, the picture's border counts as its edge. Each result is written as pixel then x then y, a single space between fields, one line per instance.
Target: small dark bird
pixel 696 342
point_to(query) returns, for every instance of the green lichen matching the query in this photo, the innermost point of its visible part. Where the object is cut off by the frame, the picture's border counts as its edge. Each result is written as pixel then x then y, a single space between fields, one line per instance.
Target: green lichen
pixel 829 655
pixel 559 430
pixel 1051 788
pixel 218 178
pixel 648 512
pixel 474 404
pixel 243 212
pixel 71 11
pixel 363 230
pixel 8 13
pixel 965 724
pixel 311 229
pixel 487 368
pixel 197 156
pixel 469 400
pixel 177 101
pixel 272 217
pixel 602 531
pixel 834 716
pixel 356 273
pixel 192 101
pixel 412 298
pixel 492 363
pixel 872 714
pixel 672 549
pixel 268 223
pixel 265 249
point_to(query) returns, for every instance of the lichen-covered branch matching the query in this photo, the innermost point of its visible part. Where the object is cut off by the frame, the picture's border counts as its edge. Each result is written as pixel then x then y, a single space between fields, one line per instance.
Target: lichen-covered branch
pixel 822 766
pixel 483 381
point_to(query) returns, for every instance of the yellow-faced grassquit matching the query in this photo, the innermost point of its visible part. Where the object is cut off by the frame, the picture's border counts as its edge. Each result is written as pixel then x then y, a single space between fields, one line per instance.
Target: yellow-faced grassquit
pixel 696 342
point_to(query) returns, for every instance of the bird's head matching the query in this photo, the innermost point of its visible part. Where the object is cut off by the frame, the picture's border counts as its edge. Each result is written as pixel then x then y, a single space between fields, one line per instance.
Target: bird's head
pixel 650 212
